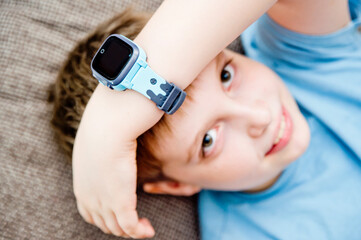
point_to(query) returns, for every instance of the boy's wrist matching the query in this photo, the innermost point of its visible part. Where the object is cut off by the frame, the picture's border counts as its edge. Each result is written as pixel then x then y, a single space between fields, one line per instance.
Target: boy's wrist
pixel 131 119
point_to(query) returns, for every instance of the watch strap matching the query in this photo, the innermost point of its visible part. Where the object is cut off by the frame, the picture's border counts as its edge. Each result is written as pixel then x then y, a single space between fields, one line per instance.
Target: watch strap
pixel 167 96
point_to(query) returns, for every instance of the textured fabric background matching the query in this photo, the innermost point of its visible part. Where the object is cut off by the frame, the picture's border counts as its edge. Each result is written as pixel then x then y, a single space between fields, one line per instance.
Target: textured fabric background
pixel 36 197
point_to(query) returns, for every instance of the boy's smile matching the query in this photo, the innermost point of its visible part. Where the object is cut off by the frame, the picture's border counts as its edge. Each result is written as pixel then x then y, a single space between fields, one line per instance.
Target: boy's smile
pixel 283 132
pixel 238 130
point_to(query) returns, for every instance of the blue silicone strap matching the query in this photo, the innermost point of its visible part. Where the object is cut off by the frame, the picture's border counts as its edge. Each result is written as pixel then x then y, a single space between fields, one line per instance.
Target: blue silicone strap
pixel 144 80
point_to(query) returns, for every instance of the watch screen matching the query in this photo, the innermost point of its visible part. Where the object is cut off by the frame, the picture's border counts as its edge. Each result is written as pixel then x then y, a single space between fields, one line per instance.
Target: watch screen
pixel 112 57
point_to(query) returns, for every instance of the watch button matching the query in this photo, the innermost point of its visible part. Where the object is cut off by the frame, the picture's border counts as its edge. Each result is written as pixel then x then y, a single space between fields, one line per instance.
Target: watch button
pixel 110 86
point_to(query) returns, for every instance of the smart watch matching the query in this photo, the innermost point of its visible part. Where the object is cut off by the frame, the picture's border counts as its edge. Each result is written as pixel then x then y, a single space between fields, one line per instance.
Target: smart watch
pixel 120 64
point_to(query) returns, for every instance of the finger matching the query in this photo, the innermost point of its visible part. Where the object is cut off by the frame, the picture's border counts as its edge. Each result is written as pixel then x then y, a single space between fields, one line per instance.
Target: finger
pixel 84 213
pixel 99 222
pixel 134 227
pixel 112 224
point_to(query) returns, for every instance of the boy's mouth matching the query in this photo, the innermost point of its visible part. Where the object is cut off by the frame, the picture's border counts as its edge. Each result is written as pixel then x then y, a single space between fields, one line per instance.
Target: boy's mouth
pixel 284 132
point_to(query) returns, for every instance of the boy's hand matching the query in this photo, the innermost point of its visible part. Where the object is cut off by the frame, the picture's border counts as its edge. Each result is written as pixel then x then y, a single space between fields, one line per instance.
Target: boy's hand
pixel 106 196
pixel 104 161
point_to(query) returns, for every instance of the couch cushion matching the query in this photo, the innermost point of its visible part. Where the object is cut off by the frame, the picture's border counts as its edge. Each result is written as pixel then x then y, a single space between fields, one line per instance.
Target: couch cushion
pixel 36 197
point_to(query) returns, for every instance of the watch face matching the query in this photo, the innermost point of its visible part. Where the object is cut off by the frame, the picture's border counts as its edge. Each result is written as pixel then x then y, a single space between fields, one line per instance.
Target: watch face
pixel 112 57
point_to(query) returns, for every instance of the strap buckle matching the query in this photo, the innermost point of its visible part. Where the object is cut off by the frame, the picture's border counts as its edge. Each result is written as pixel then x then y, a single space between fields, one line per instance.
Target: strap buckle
pixel 174 100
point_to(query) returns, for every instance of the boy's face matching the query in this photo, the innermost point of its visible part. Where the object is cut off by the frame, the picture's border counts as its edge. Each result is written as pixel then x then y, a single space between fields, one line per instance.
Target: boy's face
pixel 224 138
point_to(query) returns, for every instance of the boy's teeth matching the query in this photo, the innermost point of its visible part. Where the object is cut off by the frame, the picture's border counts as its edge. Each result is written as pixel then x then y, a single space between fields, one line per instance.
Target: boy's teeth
pixel 280 133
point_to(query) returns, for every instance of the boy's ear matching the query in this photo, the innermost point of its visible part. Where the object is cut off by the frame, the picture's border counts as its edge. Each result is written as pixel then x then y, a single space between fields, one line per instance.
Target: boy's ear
pixel 171 188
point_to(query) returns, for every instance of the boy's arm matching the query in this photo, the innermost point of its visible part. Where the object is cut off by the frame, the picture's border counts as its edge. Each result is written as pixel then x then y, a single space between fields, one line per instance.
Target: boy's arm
pixel 180 39
pixel 315 17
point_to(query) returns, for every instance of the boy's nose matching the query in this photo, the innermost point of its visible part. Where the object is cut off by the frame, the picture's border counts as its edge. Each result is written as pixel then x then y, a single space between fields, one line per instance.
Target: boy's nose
pixel 255 117
pixel 259 119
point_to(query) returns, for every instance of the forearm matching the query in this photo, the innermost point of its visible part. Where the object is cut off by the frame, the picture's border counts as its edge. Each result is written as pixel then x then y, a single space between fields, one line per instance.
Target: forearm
pixel 182 37
pixel 132 114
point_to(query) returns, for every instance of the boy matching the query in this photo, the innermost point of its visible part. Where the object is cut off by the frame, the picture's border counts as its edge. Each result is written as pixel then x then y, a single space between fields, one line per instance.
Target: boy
pixel 247 129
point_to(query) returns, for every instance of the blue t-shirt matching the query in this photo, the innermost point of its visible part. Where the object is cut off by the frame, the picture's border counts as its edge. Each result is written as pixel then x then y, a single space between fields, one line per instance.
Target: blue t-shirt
pixel 319 195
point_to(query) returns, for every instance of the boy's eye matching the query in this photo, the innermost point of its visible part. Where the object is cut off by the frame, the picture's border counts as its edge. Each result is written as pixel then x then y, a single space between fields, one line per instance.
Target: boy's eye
pixel 208 142
pixel 227 75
